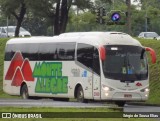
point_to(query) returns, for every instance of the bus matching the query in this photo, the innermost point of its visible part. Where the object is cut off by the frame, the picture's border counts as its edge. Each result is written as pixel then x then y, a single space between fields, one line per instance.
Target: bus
pixel 100 66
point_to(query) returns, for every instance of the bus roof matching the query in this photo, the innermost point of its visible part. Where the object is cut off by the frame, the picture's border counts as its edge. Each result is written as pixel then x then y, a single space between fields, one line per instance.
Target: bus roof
pixel 92 38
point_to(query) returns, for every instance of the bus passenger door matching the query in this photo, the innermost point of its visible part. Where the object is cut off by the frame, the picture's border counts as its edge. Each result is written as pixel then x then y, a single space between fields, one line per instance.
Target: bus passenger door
pixel 96 75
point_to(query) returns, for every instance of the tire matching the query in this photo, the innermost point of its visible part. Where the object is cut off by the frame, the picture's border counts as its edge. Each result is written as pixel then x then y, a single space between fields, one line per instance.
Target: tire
pixel 120 103
pixel 61 99
pixel 24 92
pixel 80 95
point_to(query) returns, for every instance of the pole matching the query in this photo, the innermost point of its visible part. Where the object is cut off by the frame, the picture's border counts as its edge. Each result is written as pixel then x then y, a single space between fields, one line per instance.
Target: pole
pixel 77 18
pixel 128 2
pixel 7 26
pixel 146 22
pixel 113 4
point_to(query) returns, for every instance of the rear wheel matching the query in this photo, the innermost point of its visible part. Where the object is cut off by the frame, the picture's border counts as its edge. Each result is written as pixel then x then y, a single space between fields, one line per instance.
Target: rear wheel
pixel 80 95
pixel 120 103
pixel 24 92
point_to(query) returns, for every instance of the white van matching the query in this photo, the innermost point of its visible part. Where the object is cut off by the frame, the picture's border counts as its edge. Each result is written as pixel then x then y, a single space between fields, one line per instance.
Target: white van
pixel 11 32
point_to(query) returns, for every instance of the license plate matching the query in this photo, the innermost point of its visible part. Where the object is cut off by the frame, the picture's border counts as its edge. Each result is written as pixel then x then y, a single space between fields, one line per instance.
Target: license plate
pixel 127 95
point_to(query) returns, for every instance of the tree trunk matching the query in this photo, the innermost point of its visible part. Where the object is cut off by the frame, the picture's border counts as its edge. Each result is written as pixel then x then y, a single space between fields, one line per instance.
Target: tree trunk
pixel 56 20
pixel 129 16
pixel 64 16
pixel 20 19
pixel 61 17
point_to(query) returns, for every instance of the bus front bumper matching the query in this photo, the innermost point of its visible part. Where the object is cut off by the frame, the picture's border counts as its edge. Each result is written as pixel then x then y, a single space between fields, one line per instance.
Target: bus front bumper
pixel 125 96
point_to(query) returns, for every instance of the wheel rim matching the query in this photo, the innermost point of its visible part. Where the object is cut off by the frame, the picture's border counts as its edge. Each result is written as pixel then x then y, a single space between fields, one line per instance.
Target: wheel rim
pixel 25 94
pixel 80 95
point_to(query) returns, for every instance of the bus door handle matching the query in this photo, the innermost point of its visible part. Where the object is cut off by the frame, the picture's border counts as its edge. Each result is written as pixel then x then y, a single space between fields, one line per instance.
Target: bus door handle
pixel 96 88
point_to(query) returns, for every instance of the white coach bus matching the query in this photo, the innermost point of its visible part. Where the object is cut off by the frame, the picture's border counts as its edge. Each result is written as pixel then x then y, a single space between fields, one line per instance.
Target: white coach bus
pixel 108 66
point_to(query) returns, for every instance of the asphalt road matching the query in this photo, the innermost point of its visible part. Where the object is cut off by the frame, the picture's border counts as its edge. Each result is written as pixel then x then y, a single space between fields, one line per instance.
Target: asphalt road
pixel 139 108
pixel 51 103
pixel 47 103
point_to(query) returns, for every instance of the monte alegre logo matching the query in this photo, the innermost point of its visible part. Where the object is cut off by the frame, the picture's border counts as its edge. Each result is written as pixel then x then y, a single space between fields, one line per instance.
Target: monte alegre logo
pixel 50 78
pixel 19 70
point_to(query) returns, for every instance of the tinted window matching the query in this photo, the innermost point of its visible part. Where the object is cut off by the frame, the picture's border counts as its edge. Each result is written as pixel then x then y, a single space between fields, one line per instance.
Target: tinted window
pixel 29 51
pixel 47 51
pixel 88 56
pixel 96 64
pixel 125 63
pixel 42 51
pixel 85 54
pixel 9 53
pixel 66 51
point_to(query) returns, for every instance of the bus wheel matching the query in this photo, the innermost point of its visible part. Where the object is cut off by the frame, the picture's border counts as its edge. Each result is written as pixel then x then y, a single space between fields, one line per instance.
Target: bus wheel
pixel 80 95
pixel 120 103
pixel 24 92
pixel 61 99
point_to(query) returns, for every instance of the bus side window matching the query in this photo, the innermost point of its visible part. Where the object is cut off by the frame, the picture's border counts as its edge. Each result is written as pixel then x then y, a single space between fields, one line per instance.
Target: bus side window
pixel 66 51
pixel 96 64
pixel 47 51
pixel 9 53
pixel 85 55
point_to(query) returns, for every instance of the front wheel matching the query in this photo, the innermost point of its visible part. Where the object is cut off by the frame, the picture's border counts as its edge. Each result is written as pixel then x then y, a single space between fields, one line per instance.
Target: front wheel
pixel 120 103
pixel 80 95
pixel 61 99
pixel 24 92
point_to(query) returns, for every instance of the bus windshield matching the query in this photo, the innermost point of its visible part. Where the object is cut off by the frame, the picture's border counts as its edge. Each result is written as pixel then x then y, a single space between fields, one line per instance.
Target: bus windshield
pixel 125 63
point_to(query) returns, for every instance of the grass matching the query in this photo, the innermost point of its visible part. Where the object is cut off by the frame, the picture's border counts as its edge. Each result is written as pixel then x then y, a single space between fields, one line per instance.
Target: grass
pixel 154 97
pixel 2 48
pixel 154 70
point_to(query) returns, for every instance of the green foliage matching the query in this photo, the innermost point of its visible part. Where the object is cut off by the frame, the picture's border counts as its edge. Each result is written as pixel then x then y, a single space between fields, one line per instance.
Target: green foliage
pixel 151 9
pixel 7 6
pixel 138 18
pixel 81 22
pixel 40 16
pixel 154 96
pixel 2 48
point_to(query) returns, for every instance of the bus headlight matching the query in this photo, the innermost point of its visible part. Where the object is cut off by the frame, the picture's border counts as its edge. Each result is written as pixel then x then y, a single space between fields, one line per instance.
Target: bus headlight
pixel 106 88
pixel 146 95
pixel 106 94
pixel 145 90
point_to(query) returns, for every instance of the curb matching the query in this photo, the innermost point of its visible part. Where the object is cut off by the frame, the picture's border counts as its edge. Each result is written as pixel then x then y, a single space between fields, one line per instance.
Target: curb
pixel 143 104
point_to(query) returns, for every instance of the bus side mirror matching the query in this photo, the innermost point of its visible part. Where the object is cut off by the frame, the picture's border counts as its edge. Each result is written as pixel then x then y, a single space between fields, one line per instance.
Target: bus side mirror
pixel 152 53
pixel 102 53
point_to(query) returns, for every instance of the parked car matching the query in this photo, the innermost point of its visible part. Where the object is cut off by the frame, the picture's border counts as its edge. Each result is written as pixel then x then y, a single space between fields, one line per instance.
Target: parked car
pixel 148 35
pixel 2 33
pixel 158 38
pixel 11 32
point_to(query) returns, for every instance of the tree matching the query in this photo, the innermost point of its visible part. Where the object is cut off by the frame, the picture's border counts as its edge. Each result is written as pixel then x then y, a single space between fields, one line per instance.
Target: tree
pixel 17 8
pixel 56 11
pixel 82 22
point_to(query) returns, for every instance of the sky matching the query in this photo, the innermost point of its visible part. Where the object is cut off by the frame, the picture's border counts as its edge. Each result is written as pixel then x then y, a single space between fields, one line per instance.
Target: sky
pixel 133 2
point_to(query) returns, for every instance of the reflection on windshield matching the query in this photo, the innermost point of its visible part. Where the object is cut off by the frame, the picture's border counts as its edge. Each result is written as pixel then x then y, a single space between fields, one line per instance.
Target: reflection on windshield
pixel 125 63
